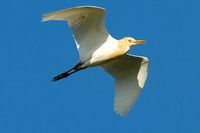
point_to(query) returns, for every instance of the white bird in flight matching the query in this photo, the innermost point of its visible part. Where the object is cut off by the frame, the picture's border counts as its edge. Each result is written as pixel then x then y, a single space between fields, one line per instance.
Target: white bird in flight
pixel 98 48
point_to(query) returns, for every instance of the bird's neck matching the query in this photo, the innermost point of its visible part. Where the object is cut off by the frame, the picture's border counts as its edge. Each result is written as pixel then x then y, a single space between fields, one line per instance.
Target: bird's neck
pixel 122 46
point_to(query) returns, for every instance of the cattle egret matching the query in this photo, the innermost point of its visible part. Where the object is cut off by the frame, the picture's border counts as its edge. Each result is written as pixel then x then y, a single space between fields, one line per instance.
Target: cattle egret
pixel 98 48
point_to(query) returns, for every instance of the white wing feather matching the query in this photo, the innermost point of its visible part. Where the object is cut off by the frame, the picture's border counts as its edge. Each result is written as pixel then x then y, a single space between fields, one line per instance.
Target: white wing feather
pixel 87 24
pixel 130 73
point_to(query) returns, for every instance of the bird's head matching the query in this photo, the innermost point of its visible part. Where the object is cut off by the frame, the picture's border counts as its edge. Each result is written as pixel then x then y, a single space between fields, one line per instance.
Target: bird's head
pixel 129 41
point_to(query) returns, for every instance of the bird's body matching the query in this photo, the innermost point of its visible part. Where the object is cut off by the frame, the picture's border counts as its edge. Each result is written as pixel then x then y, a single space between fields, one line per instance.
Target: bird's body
pixel 103 53
pixel 98 48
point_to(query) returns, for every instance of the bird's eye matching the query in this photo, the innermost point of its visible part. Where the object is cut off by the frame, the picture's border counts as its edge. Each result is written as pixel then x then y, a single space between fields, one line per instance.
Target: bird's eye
pixel 130 41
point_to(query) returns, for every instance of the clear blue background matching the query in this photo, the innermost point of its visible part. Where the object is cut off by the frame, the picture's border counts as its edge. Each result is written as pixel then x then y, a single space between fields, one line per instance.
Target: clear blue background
pixel 33 52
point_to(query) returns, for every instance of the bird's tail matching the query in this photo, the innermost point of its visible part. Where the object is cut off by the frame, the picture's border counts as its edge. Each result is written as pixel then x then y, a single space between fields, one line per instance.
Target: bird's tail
pixel 76 68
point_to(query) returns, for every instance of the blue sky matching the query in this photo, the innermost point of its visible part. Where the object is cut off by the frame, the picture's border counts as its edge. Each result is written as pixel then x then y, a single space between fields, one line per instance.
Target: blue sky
pixel 33 52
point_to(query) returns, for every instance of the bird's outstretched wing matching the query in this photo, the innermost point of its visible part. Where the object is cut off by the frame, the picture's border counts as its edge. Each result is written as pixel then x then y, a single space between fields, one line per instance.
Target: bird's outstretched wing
pixel 130 73
pixel 87 24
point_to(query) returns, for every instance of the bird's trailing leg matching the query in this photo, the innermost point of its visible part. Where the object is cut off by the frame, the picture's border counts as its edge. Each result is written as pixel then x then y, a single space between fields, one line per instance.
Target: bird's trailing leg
pixel 76 68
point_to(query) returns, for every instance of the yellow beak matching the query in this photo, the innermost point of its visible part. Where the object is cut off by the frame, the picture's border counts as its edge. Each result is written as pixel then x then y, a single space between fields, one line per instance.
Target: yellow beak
pixel 139 42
